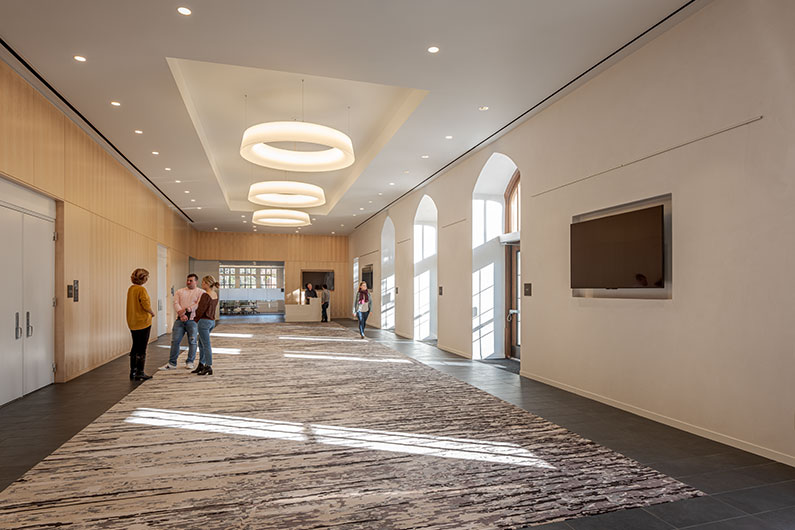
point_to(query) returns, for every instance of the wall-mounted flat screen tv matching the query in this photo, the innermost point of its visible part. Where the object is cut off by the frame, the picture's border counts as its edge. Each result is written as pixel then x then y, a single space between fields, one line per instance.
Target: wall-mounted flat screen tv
pixel 622 251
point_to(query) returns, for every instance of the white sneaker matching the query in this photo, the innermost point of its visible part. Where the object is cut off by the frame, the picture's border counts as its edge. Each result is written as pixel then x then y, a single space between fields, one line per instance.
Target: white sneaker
pixel 168 367
pixel 189 366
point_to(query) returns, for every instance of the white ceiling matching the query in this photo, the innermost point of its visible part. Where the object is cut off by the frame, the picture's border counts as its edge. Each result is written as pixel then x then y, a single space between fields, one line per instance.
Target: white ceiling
pixel 182 81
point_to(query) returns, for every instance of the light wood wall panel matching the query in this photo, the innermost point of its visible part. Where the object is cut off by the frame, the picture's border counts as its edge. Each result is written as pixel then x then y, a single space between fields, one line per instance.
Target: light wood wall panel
pixel 109 223
pixel 297 251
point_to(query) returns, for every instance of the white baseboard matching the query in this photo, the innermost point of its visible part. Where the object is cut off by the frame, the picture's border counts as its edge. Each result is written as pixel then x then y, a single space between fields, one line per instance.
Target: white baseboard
pixel 673 422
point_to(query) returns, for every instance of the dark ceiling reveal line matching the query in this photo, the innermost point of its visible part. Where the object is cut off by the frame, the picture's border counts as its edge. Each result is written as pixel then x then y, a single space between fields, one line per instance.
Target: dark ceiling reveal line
pixel 531 109
pixel 41 79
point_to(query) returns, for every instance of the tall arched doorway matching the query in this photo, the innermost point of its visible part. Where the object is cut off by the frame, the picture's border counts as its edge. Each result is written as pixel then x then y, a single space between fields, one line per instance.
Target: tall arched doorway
pixel 425 281
pixel 493 281
pixel 388 275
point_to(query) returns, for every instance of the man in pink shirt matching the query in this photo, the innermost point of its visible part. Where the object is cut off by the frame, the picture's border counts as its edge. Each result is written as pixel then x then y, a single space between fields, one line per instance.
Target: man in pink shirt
pixel 186 300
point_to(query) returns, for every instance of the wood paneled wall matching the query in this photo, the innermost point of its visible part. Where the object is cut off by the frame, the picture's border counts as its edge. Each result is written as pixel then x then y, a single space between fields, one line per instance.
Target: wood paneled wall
pixel 108 221
pixel 297 251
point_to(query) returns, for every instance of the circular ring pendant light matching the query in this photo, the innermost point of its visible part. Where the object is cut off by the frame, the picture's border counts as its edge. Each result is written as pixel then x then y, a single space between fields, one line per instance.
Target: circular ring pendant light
pixel 281 218
pixel 286 194
pixel 256 147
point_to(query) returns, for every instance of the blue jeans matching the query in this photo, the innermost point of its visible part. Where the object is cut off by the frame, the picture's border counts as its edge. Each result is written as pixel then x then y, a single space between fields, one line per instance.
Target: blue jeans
pixel 205 348
pixel 177 332
pixel 324 312
pixel 362 316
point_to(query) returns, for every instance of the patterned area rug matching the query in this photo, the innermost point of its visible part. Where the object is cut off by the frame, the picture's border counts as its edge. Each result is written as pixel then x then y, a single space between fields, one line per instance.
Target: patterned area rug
pixel 306 426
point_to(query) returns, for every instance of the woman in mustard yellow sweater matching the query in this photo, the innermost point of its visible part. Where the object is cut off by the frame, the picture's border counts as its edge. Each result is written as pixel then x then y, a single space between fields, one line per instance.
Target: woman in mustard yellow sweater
pixel 139 319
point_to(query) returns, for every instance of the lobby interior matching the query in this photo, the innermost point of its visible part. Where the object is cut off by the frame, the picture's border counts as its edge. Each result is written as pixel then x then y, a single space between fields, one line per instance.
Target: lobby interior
pixel 492 389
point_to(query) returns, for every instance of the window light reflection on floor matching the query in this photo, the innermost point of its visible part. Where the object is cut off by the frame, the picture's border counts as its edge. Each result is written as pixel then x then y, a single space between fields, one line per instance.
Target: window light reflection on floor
pixel 410 443
pixel 346 358
pixel 232 335
pixel 331 339
pixel 216 349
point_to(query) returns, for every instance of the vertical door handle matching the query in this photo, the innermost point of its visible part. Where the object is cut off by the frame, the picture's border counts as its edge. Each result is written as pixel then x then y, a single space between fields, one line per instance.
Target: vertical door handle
pixel 17 329
pixel 27 323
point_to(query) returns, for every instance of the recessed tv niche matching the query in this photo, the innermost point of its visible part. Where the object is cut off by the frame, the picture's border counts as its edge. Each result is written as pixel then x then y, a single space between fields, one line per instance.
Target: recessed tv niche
pixel 622 251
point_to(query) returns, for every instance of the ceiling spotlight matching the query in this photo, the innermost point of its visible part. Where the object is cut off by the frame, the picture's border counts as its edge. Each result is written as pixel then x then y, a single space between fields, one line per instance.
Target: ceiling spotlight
pixel 391 183
pixel 380 193
pixel 256 146
pixel 333 233
pixel 425 156
pixel 433 49
pixel 184 11
pixel 342 225
pixel 138 131
pixel 483 107
pixel 448 137
pixel 371 202
pixel 80 59
pixel 198 207
pixel 286 194
pixel 406 171
pixel 186 191
pixel 363 208
pixel 168 169
pixel 193 200
pixel 296 231
pixel 155 153
pixel 115 103
pixel 283 218
pixel 177 181
pixel 245 221
pixel 216 228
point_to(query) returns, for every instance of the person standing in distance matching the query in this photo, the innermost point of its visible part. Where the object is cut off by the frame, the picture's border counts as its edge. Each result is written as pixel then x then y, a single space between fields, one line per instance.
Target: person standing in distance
pixel 186 300
pixel 325 299
pixel 361 306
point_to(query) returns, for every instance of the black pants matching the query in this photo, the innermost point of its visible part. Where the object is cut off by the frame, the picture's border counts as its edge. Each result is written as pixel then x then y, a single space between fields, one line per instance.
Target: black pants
pixel 140 339
pixel 324 308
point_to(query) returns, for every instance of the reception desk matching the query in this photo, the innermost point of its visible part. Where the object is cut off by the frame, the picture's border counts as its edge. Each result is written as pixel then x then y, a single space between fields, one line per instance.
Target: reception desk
pixel 303 313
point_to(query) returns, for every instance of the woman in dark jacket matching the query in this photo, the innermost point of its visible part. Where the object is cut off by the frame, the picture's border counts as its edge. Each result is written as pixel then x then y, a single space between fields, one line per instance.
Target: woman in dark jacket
pixel 361 306
pixel 205 319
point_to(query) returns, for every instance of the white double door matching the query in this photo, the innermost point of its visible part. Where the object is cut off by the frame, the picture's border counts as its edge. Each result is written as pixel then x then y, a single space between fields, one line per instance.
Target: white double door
pixel 27 265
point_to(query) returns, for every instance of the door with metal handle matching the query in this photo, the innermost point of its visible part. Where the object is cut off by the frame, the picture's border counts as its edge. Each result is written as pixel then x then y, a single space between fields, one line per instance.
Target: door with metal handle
pixel 17 328
pixel 511 313
pixel 28 325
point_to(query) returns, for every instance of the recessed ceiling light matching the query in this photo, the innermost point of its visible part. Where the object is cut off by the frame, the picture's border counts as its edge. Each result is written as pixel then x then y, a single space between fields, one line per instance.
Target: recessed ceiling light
pixel 199 208
pixel 483 107
pixel 155 153
pixel 80 59
pixel 371 202
pixel 296 231
pixel 380 193
pixel 168 169
pixel 138 131
pixel 425 156
pixel 242 216
pixel 363 208
pixel 391 183
pixel 342 225
pixel 433 49
pixel 245 221
pixel 186 191
pixel 354 215
pixel 448 137
pixel 177 181
pixel 216 228
pixel 333 233
pixel 184 11
pixel 193 200
pixel 406 171
pixel 115 103
pixel 314 219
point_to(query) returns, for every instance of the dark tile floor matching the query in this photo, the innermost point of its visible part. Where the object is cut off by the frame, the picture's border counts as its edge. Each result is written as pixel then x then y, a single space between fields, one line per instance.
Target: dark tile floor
pixel 745 491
